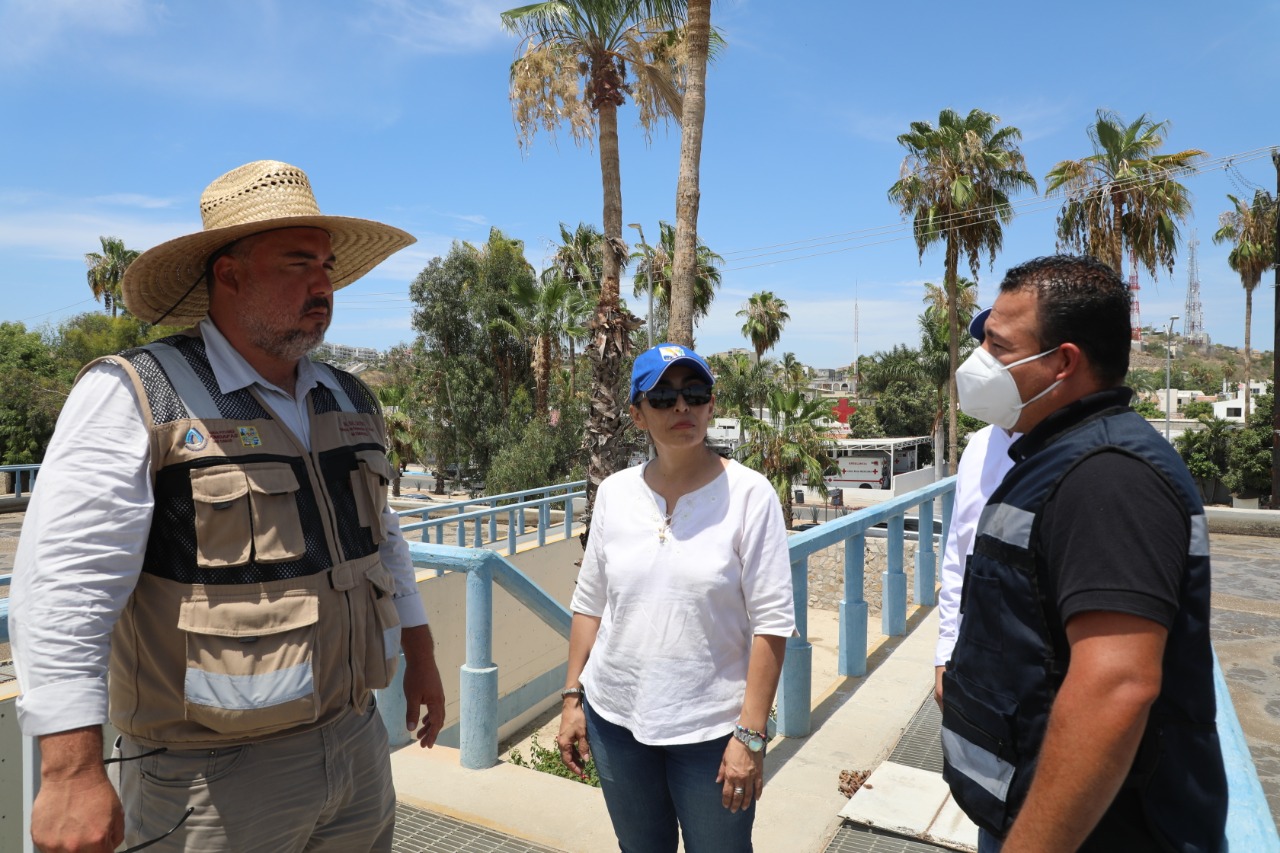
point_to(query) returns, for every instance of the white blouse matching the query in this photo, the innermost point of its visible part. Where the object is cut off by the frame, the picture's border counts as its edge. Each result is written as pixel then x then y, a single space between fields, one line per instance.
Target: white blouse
pixel 680 601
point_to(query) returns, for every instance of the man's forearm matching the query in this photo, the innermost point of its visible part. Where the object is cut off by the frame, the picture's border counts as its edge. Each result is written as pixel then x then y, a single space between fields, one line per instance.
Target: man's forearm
pixel 1094 729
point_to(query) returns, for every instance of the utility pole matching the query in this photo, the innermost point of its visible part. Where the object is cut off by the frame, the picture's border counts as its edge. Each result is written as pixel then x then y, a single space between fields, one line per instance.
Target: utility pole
pixel 1168 364
pixel 1275 349
pixel 648 318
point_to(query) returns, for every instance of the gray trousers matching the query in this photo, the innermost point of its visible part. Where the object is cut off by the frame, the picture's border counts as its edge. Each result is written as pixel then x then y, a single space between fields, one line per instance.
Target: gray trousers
pixel 323 791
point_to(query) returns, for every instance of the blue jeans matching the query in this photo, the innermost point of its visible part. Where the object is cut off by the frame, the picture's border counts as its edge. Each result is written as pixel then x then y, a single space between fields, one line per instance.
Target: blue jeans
pixel 988 843
pixel 654 791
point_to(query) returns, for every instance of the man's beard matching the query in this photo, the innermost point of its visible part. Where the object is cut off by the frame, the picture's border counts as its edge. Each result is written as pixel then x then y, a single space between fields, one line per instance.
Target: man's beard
pixel 289 345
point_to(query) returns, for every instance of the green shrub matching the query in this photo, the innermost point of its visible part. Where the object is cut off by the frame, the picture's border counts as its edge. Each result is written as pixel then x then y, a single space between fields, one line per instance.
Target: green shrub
pixel 546 760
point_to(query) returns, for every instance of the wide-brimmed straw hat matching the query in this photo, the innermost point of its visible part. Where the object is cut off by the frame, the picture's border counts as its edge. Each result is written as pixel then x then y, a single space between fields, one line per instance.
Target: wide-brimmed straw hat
pixel 164 283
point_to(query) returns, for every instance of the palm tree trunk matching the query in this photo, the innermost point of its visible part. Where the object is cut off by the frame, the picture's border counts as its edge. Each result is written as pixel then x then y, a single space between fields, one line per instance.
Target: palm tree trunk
pixel 684 265
pixel 1248 323
pixel 610 329
pixel 953 348
pixel 543 375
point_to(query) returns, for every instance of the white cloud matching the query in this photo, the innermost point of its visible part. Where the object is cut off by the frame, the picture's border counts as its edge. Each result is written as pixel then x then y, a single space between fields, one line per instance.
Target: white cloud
pixel 442 26
pixel 133 200
pixel 31 28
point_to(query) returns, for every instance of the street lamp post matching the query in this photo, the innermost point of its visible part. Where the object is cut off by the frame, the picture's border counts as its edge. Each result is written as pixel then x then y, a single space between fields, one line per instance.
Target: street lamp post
pixel 1168 363
pixel 648 320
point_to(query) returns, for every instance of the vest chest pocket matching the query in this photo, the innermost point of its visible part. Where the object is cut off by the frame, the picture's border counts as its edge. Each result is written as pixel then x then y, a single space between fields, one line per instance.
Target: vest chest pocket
pixel 249 661
pixel 369 485
pixel 239 506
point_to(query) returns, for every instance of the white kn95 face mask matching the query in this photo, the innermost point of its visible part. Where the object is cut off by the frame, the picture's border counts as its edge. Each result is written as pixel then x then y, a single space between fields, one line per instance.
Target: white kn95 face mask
pixel 987 390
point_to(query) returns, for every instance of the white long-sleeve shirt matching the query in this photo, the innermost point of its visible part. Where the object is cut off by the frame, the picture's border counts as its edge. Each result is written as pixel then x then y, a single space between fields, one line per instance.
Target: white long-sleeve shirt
pixel 981 469
pixel 86 530
pixel 681 601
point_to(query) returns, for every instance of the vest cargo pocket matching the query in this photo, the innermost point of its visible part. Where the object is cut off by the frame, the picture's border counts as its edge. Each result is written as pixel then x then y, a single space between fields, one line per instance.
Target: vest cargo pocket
pixel 369 485
pixel 277 529
pixel 223 527
pixel 249 661
pixel 382 636
pixel 979 752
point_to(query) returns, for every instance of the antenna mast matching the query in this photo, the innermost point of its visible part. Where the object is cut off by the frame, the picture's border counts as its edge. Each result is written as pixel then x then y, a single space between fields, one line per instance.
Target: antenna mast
pixel 1135 316
pixel 1193 313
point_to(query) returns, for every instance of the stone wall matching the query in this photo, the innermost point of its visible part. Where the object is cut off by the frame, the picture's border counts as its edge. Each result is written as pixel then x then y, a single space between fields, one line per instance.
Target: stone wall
pixel 826 574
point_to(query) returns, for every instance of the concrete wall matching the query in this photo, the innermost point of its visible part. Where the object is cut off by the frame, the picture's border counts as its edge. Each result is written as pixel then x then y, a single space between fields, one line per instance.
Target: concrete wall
pixel 826 573
pixel 524 647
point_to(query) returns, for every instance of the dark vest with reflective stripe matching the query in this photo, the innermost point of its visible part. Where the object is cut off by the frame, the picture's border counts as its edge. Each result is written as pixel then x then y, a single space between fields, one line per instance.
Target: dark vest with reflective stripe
pixel 1012 654
pixel 263 606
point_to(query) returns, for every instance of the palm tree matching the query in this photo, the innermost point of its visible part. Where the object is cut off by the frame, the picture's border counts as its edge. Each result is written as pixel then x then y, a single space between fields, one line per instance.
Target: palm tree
pixel 542 303
pixel 577 310
pixel 792 372
pixel 765 316
pixel 106 271
pixel 403 444
pixel 956 182
pixel 1251 228
pixel 683 310
pixel 741 383
pixel 572 66
pixel 935 300
pixel 580 257
pixel 788 446
pixel 1124 196
pixel 659 259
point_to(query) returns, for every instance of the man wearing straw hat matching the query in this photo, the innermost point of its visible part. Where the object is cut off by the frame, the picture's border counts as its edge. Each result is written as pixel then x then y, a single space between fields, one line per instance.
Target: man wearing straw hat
pixel 212 528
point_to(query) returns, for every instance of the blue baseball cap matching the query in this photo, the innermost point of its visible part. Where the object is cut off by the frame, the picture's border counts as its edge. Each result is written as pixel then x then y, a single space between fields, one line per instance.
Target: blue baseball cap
pixel 978 325
pixel 652 363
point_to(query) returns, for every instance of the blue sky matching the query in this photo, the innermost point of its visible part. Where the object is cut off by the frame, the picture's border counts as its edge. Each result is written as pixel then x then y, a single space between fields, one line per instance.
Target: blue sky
pixel 118 112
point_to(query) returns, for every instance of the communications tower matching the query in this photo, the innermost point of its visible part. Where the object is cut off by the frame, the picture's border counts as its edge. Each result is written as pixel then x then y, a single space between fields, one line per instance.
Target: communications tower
pixel 1135 316
pixel 1193 313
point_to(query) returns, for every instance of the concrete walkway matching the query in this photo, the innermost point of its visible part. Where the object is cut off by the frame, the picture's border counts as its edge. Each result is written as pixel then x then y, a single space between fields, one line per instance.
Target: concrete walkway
pixel 857 721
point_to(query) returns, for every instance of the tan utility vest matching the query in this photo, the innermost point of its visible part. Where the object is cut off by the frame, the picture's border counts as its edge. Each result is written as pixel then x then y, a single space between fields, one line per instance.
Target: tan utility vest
pixel 263 607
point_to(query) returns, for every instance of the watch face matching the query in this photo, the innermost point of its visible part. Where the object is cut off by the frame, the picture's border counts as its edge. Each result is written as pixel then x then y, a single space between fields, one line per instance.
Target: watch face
pixel 755 744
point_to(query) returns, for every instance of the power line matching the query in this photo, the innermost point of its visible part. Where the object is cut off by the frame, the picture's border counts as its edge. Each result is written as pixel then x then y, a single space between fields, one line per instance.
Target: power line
pixel 879 235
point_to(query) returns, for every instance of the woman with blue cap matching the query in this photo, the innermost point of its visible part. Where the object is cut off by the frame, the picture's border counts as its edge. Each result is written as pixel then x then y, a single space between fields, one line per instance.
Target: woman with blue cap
pixel 680 620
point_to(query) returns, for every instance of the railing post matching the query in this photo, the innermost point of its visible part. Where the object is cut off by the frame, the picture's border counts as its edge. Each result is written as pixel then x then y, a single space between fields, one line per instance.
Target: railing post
pixel 493 521
pixel 568 515
pixel 511 532
pixel 926 561
pixel 478 688
pixel 479 540
pixel 542 524
pixel 948 501
pixel 893 583
pixel 795 691
pixel 853 609
pixel 30 787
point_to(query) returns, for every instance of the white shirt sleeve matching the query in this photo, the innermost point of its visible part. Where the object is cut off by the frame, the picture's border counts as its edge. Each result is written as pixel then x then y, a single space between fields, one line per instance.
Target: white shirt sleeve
pixel 981 469
pixel 80 553
pixel 766 564
pixel 395 556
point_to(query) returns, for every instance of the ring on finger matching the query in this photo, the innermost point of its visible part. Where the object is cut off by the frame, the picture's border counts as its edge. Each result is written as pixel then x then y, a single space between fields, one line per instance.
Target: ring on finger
pixel 739 791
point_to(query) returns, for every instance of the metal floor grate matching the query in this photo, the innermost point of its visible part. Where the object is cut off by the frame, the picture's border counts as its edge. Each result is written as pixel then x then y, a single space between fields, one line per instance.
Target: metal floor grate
pixel 921 744
pixel 851 838
pixel 919 747
pixel 419 831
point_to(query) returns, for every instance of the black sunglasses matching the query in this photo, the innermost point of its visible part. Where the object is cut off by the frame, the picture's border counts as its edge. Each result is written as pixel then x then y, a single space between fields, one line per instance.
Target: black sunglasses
pixel 665 398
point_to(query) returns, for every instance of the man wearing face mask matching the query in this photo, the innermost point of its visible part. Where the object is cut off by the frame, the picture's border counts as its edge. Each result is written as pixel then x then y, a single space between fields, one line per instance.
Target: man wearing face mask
pixel 1078 705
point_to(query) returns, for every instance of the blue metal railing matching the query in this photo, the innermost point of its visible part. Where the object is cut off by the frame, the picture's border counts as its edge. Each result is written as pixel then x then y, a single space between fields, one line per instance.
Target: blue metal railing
pixel 21 473
pixel 1249 826
pixel 488 509
pixel 794 691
